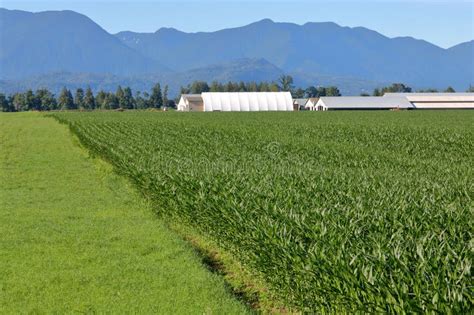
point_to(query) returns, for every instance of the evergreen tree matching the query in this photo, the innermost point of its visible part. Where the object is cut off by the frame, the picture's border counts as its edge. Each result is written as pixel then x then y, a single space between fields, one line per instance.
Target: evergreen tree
pixel 197 87
pixel 89 100
pixel 165 96
pixel 156 98
pixel 242 87
pixel 32 102
pixel 79 98
pixel 449 90
pixel 111 101
pixel 146 97
pixel 263 87
pixel 65 100
pixel 252 87
pixel 4 103
pixel 140 102
pixel 128 101
pixel 215 87
pixel 46 100
pixel 100 100
pixel 286 83
pixel 120 95
pixel 229 87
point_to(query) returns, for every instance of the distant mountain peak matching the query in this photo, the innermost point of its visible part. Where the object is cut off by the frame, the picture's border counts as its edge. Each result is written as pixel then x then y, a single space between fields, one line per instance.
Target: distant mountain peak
pixel 265 21
pixel 167 30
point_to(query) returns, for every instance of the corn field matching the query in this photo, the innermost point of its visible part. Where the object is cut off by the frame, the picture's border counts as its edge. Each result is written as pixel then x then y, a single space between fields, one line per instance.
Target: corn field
pixel 337 211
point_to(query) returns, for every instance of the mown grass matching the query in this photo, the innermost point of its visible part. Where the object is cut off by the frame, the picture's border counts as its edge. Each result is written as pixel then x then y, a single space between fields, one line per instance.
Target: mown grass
pixel 75 238
pixel 337 211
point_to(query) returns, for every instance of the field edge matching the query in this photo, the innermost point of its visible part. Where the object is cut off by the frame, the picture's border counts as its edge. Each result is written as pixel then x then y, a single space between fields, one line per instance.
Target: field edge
pixel 244 284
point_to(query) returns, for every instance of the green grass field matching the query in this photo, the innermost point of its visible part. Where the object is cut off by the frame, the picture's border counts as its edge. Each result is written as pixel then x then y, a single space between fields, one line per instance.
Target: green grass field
pixel 337 211
pixel 75 238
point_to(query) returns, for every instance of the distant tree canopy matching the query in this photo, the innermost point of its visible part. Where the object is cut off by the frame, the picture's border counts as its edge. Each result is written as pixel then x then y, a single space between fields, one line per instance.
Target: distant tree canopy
pixel 285 83
pixel 124 98
pixel 394 88
pixel 402 88
pixel 313 91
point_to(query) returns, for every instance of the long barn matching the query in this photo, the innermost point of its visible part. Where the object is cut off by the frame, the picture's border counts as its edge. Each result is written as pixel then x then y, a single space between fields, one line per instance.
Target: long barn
pixel 362 103
pixel 437 100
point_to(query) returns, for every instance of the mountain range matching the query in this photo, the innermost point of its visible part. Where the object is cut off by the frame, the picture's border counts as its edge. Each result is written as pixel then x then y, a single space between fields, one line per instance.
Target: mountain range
pixel 64 48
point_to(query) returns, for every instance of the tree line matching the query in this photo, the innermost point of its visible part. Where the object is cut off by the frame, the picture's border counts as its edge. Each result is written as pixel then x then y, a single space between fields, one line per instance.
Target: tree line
pixel 123 98
pixel 402 88
pixel 284 83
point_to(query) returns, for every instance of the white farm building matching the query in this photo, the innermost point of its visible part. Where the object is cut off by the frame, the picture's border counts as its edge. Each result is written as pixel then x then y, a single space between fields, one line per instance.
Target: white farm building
pixel 437 100
pixel 282 101
pixel 311 103
pixel 236 101
pixel 190 103
pixel 361 103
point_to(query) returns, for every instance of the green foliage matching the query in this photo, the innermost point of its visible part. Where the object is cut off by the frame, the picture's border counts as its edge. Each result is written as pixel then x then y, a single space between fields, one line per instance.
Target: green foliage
pixel 89 100
pixel 320 91
pixel 338 211
pixel 65 100
pixel 165 96
pixel 394 88
pixel 286 83
pixel 5 105
pixel 79 98
pixel 156 97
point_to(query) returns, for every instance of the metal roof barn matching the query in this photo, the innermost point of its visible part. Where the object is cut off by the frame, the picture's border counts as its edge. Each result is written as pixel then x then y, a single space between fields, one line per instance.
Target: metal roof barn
pixel 437 100
pixel 362 102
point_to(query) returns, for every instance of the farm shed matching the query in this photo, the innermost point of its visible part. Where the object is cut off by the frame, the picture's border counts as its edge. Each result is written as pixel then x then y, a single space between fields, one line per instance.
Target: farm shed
pixel 437 100
pixel 311 103
pixel 299 103
pixel 362 103
pixel 190 102
pixel 247 101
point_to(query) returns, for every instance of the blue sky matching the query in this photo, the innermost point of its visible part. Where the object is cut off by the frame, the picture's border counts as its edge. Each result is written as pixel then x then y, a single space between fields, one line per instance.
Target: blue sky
pixel 444 23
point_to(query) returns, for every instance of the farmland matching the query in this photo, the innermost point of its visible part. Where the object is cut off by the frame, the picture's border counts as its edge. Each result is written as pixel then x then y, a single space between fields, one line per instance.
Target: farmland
pixel 76 238
pixel 336 211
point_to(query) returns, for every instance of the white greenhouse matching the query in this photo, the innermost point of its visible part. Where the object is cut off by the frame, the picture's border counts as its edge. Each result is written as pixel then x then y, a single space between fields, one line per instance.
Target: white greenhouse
pixel 247 101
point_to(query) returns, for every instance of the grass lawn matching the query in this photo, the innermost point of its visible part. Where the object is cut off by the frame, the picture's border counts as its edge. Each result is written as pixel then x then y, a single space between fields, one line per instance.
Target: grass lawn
pixel 76 238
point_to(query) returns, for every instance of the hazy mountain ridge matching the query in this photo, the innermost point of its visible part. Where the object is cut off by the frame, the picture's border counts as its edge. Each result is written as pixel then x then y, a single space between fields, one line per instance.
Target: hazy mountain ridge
pixel 325 48
pixel 52 41
pixel 56 48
